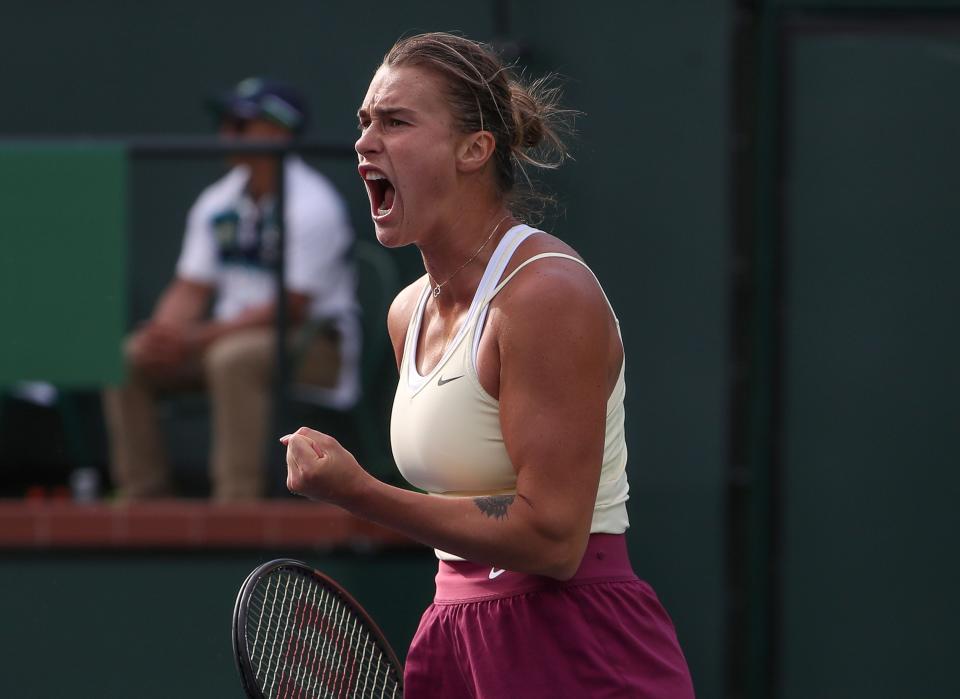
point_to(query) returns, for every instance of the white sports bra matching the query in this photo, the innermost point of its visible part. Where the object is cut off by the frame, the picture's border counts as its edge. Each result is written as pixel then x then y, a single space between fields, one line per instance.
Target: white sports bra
pixel 445 428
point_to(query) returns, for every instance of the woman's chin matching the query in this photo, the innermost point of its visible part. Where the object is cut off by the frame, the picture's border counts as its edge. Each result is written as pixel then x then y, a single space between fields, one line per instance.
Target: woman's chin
pixel 389 236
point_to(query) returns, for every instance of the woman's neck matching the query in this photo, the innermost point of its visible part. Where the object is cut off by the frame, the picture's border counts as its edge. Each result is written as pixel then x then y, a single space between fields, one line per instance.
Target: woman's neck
pixel 456 257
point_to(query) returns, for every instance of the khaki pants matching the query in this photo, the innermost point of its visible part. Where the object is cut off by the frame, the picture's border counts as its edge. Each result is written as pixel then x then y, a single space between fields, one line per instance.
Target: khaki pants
pixel 237 373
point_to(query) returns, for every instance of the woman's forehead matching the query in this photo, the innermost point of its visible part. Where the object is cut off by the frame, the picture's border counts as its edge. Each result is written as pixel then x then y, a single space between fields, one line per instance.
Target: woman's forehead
pixel 403 87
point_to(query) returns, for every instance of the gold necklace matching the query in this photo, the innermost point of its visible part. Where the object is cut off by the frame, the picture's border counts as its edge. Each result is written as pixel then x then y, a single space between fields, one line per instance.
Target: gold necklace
pixel 436 289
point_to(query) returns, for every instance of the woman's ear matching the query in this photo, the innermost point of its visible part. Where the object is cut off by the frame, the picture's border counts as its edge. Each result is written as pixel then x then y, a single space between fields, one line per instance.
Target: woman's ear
pixel 475 150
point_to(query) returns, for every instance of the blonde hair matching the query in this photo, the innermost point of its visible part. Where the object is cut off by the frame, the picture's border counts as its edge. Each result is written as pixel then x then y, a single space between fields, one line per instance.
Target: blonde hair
pixel 526 120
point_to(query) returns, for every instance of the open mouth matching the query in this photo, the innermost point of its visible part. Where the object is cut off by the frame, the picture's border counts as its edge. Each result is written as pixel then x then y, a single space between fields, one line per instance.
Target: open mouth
pixel 381 192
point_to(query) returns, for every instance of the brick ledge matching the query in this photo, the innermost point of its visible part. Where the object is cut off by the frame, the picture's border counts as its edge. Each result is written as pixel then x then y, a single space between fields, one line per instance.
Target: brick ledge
pixel 187 524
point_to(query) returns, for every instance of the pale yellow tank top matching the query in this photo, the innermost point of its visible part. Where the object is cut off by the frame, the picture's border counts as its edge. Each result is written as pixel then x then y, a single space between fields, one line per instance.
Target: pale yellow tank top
pixel 445 428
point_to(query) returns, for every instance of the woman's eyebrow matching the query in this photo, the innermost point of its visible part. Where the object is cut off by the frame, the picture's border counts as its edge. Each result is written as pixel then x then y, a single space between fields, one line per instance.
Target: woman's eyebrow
pixel 383 113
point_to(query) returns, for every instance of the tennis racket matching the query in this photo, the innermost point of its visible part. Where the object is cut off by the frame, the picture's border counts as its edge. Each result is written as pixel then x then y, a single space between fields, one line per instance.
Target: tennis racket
pixel 297 633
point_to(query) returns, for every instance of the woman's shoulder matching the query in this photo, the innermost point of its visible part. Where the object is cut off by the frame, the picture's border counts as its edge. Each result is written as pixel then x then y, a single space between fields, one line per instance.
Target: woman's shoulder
pixel 541 241
pixel 555 274
pixel 407 298
pixel 401 311
pixel 551 302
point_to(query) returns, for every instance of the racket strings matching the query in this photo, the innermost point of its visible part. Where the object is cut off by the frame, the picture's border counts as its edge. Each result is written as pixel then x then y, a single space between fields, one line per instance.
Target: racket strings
pixel 305 641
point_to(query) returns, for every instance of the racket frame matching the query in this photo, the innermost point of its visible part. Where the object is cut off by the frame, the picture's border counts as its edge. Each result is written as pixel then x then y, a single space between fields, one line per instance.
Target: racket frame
pixel 238 626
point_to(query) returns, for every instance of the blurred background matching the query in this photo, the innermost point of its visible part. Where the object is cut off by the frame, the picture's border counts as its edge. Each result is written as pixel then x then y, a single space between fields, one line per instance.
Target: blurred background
pixel 767 190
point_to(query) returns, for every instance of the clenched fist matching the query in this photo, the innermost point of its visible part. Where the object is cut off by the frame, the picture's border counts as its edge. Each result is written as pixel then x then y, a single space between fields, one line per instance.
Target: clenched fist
pixel 319 468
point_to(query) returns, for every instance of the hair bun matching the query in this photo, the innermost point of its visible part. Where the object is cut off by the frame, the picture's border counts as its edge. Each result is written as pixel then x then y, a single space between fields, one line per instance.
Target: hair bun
pixel 483 94
pixel 527 118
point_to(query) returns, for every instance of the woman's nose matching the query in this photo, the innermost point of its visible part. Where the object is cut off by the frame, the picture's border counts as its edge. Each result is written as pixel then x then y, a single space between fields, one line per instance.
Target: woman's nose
pixel 368 142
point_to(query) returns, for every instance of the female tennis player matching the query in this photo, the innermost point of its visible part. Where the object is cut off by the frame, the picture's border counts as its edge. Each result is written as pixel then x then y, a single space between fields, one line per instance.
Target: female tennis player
pixel 509 408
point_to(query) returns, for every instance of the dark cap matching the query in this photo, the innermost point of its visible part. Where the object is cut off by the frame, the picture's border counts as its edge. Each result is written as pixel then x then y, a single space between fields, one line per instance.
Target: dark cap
pixel 258 98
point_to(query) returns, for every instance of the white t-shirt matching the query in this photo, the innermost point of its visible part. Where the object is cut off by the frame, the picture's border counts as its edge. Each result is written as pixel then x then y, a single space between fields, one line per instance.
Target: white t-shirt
pixel 230 245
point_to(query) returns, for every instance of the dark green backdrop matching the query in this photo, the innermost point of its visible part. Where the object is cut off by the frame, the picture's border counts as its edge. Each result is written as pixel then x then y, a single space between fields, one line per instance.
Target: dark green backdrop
pixel 853 412
pixel 851 421
pixel 872 339
pixel 644 202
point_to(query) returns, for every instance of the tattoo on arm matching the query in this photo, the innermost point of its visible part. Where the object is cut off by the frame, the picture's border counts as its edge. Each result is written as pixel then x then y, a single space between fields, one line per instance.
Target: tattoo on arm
pixel 494 506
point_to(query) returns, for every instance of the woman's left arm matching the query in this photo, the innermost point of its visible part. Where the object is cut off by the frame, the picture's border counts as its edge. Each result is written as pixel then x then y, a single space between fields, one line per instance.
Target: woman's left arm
pixel 553 338
pixel 554 350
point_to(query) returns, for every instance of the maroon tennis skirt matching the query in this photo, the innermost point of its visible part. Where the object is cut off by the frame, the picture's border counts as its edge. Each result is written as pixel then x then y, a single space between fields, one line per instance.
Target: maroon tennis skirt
pixel 495 633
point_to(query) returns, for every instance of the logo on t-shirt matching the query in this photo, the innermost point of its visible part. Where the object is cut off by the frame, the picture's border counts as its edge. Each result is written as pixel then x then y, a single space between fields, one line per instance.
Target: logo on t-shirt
pixel 246 236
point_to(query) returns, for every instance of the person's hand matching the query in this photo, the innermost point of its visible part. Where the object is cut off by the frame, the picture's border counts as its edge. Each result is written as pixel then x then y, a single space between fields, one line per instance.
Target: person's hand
pixel 162 348
pixel 319 468
pixel 156 345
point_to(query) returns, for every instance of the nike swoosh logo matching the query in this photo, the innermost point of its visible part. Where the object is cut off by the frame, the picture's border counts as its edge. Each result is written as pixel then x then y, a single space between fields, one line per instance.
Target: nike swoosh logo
pixel 442 380
pixel 495 573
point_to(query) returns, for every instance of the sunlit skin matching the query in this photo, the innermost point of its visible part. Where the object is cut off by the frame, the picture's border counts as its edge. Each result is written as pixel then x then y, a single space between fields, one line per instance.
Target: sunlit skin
pixel 550 352
pixel 445 201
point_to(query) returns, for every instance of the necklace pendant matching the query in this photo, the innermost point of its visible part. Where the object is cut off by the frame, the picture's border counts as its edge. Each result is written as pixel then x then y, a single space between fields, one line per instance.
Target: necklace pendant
pixel 436 291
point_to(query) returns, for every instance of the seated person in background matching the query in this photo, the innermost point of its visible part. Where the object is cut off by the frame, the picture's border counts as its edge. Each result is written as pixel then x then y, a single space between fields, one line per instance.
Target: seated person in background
pixel 227 260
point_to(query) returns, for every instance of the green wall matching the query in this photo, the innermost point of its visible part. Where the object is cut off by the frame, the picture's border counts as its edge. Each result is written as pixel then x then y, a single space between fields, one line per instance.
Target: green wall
pixel 62 270
pixel 872 340
pixel 114 626
pixel 858 170
pixel 644 200
pixel 853 415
